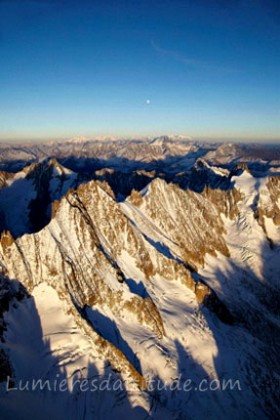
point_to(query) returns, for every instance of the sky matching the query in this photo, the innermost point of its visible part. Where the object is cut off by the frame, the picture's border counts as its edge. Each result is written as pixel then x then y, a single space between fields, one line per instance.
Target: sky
pixel 207 69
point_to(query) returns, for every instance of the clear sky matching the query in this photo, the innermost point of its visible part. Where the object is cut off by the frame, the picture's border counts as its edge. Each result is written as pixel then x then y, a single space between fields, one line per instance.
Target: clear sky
pixel 205 68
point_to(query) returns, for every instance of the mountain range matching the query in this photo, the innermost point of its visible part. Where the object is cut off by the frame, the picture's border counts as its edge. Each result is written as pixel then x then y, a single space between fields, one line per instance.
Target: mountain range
pixel 139 260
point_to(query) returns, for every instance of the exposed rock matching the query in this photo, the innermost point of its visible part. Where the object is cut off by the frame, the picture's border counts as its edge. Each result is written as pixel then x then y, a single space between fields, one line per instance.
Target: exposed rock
pixel 272 209
pixel 192 223
pixel 4 176
pixel 224 200
pixel 6 239
pixel 136 198
pixel 207 297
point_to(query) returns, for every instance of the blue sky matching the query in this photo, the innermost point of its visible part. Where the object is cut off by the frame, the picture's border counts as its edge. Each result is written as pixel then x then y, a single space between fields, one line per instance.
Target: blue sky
pixel 209 69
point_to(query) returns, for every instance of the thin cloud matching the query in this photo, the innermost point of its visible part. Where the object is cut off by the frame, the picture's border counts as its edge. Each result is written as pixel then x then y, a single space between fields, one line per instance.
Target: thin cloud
pixel 188 61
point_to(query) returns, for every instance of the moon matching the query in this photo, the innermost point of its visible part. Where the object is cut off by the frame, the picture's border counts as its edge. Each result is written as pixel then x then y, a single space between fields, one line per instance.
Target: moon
pixel 148 101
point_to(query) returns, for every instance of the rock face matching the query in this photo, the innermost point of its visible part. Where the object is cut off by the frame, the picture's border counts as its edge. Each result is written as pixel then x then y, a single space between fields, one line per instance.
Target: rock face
pixel 189 220
pixel 6 239
pixel 4 176
pixel 206 296
pixel 269 204
pixel 226 202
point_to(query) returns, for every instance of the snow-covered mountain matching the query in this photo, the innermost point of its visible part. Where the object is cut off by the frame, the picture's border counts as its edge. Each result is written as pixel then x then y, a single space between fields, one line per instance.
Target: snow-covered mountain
pixel 144 276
